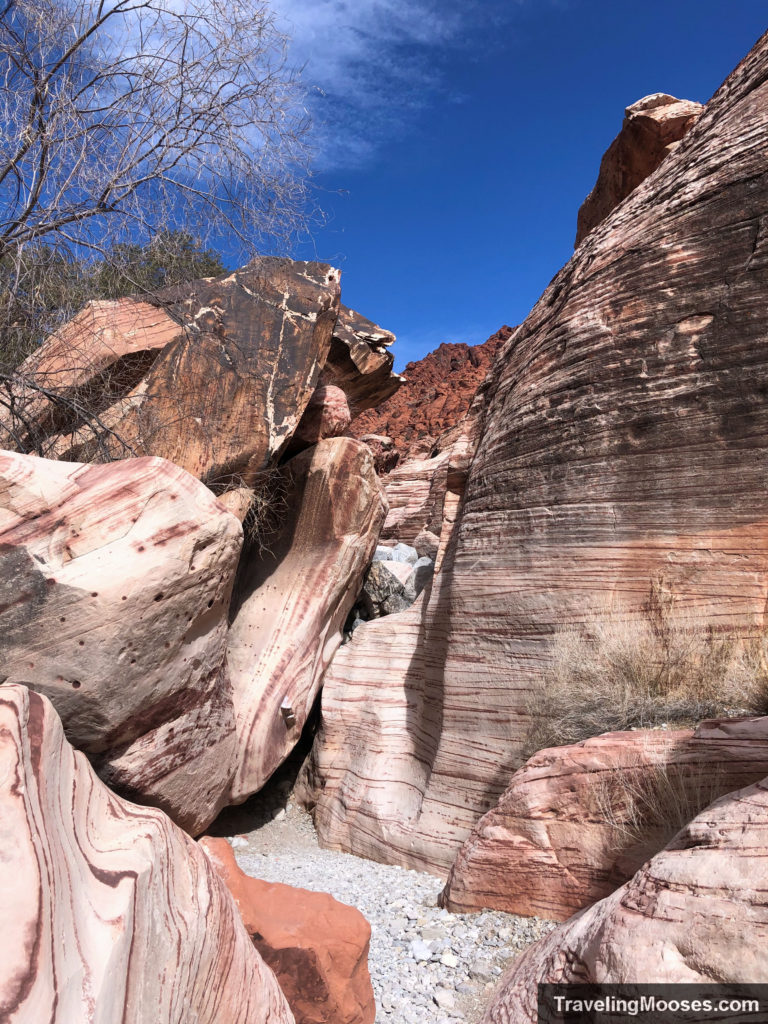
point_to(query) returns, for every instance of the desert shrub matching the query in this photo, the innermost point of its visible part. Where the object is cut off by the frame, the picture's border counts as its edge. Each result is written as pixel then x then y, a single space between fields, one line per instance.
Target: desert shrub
pixel 655 799
pixel 657 668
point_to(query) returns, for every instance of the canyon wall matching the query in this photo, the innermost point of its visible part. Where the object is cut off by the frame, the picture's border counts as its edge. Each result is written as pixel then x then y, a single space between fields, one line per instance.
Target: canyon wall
pixel 622 441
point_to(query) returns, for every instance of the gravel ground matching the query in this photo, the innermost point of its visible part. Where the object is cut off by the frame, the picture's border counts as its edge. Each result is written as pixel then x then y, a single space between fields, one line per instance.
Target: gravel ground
pixel 427 966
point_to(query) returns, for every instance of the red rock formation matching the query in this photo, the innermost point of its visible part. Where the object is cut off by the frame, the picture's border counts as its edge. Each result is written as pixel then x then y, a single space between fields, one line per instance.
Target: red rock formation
pixel 652 129
pixel 317 947
pixel 696 913
pixel 437 393
pixel 623 438
pixel 114 591
pixel 576 822
pixel 110 913
pixel 292 599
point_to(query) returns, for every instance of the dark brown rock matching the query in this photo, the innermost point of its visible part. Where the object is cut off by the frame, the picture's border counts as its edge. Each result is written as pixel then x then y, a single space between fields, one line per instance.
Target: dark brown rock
pixel 359 362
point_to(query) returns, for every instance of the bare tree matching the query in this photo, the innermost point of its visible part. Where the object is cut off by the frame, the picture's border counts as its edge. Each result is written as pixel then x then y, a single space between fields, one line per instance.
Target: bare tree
pixel 143 111
pixel 124 119
pixel 132 130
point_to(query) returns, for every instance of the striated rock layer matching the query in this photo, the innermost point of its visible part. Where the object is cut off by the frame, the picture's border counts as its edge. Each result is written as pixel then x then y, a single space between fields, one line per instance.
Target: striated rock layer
pixel 293 598
pixel 317 947
pixel 696 913
pixel 623 439
pixel 651 131
pixel 110 913
pixel 115 583
pixel 576 822
pixel 437 393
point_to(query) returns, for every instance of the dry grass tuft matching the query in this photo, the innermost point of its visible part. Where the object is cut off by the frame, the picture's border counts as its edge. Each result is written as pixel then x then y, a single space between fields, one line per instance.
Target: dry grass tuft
pixel 655 799
pixel 659 668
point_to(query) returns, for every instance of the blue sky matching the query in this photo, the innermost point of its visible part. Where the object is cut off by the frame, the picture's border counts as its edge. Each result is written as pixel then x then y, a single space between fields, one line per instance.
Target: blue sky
pixel 456 140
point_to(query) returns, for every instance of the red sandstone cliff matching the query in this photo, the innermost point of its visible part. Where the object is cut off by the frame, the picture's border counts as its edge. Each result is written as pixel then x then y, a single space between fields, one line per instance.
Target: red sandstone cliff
pixel 437 392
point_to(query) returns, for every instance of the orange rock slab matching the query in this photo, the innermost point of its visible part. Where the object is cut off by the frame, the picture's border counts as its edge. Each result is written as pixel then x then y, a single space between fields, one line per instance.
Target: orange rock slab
pixel 317 947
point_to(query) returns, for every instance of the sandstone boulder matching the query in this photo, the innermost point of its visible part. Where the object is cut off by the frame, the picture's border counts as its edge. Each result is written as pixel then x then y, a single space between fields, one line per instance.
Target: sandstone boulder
pixel 293 599
pixel 383 590
pixel 426 544
pixel 652 129
pixel 317 947
pixel 359 362
pixel 220 398
pixel 115 583
pixel 385 454
pixel 326 415
pixel 577 822
pixel 622 440
pixel 695 913
pixel 110 913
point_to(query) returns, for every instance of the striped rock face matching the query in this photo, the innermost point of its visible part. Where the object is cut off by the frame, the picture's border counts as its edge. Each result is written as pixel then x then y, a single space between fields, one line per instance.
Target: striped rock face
pixel 696 913
pixel 578 821
pixel 110 913
pixel 292 600
pixel 115 583
pixel 624 440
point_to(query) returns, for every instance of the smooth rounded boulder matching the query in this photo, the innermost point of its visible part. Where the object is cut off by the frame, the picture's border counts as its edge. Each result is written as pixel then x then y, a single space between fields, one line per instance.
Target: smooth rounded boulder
pixel 115 583
pixel 110 913
pixel 697 913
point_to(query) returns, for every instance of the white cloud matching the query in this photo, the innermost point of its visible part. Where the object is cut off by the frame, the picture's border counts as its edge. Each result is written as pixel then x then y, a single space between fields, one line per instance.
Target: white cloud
pixel 370 65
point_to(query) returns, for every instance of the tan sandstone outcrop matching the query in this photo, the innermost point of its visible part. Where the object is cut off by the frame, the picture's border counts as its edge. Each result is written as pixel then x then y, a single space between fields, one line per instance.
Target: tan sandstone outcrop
pixel 115 583
pixel 293 598
pixel 317 947
pixel 624 432
pixel 110 913
pixel 576 822
pixel 652 129
pixel 696 913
